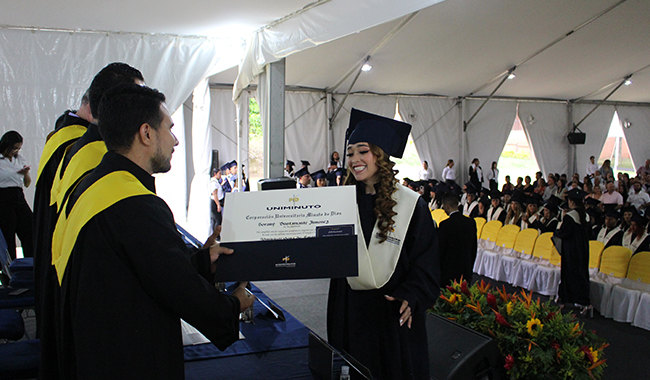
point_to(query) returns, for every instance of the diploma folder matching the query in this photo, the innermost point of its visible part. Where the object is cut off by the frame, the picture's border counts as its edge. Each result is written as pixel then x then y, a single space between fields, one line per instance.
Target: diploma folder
pixel 331 256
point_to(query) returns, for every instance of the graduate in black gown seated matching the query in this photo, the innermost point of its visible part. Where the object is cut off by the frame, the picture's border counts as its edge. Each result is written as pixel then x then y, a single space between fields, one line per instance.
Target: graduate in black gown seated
pixel 379 316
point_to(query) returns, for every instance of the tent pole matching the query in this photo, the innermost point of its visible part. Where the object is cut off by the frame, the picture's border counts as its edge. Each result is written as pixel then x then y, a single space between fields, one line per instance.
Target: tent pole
pixel 573 158
pixel 348 92
pixel 273 126
pixel 512 69
pixel 462 164
pixel 603 101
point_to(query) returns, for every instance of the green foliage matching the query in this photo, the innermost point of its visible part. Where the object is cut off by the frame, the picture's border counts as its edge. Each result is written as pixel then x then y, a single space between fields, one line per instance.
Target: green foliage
pixel 254 119
pixel 536 340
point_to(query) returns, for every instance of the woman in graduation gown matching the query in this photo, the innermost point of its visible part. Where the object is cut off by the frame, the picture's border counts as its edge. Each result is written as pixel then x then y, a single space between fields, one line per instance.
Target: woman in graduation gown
pixel 379 316
pixel 574 236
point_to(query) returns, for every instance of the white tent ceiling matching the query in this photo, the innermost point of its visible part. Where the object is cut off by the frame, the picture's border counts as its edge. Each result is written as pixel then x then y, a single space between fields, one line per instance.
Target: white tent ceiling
pixel 452 48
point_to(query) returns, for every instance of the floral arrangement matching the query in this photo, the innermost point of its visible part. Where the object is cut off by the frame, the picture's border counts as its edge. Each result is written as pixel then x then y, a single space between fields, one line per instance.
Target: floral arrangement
pixel 536 340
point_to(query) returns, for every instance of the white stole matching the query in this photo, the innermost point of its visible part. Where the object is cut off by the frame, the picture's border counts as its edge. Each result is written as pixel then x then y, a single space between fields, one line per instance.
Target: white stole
pixel 604 236
pixel 468 210
pixel 493 214
pixel 377 262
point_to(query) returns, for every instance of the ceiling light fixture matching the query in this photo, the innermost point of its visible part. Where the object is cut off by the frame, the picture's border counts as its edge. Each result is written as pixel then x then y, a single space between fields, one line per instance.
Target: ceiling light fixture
pixel 512 76
pixel 628 82
pixel 366 67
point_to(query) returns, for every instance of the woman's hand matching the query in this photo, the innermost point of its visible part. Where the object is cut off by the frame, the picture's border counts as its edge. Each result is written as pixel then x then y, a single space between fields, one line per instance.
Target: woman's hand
pixel 404 311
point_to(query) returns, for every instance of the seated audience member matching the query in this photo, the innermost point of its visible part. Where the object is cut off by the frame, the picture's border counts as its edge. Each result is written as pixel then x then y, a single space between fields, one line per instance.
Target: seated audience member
pixel 610 233
pixel 538 176
pixel 548 222
pixel 507 197
pixel 531 214
pixel 612 196
pixel 622 189
pixel 645 169
pixel 541 187
pixel 515 210
pixel 638 198
pixel 598 182
pixel 471 208
pixel 496 211
pixel 483 205
pixel 626 218
pixel 303 178
pixel 606 170
pixel 637 238
pixel 341 173
pixel 457 242
pixel 551 188
pixel 508 185
pixel 528 188
pixel 520 184
pixel 319 178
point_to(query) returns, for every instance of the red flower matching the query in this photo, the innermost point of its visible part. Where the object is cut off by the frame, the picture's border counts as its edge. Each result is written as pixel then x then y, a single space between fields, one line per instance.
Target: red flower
pixel 451 289
pixel 464 289
pixel 501 320
pixel 510 362
pixel 550 316
pixel 492 300
pixel 555 345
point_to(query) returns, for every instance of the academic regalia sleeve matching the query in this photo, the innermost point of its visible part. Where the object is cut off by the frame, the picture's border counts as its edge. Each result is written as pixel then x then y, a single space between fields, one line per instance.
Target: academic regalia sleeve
pixel 201 262
pixel 617 239
pixel 567 229
pixel 502 217
pixel 165 271
pixel 422 280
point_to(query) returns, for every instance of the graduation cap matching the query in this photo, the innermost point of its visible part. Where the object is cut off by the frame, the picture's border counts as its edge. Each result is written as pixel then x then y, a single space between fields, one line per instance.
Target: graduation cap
pixel 592 201
pixel 565 205
pixel 495 194
pixel 553 203
pixel 612 207
pixel 485 191
pixel 613 214
pixel 340 172
pixel 441 188
pixel 388 134
pixel 507 192
pixel 485 201
pixel 290 163
pixel 305 162
pixel 576 194
pixel 302 172
pixel 517 196
pixel 225 167
pixel 624 209
pixel 318 175
pixel 470 188
pixel 639 219
pixel 534 198
pixel 232 164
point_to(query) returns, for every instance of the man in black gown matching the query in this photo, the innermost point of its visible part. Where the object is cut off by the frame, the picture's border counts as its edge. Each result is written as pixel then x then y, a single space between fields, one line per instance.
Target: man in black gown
pixel 457 241
pixel 127 278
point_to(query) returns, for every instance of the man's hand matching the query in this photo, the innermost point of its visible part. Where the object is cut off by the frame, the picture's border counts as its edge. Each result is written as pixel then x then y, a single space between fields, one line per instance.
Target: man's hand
pixel 245 297
pixel 212 240
pixel 216 250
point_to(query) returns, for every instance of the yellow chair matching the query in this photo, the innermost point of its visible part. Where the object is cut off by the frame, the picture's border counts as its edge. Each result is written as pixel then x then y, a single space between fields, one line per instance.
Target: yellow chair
pixel 480 222
pixel 490 230
pixel 639 268
pixel 555 259
pixel 439 215
pixel 541 253
pixel 507 236
pixel 595 252
pixel 525 241
pixel 544 246
pixel 615 261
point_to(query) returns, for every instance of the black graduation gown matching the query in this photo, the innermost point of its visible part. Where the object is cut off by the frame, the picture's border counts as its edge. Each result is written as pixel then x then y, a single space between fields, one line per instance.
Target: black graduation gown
pixel 366 325
pixel 458 244
pixel 574 276
pixel 44 222
pixel 128 282
pixel 548 226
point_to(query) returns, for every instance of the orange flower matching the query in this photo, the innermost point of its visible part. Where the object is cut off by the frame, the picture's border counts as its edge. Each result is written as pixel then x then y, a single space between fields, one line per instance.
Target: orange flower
pixel 483 287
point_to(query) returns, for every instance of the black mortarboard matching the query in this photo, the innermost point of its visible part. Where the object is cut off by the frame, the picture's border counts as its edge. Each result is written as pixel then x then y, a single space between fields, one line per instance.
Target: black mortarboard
pixel 441 188
pixel 485 200
pixel 388 134
pixel 232 164
pixel 485 191
pixel 639 219
pixel 340 172
pixel 301 172
pixel 592 201
pixel 517 196
pixel 470 188
pixel 625 209
pixel 305 162
pixel 610 207
pixel 535 198
pixel 613 214
pixel 290 163
pixel 318 174
pixel 565 205
pixel 495 194
pixel 576 194
pixel 507 192
pixel 553 203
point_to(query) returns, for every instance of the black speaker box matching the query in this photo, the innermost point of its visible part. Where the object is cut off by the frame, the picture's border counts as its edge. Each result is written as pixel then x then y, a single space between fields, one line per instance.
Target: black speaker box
pixel 215 161
pixel 576 138
pixel 459 353
pixel 276 183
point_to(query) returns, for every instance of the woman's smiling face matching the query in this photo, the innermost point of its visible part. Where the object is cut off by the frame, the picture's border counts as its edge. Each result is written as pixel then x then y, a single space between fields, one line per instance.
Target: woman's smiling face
pixel 362 163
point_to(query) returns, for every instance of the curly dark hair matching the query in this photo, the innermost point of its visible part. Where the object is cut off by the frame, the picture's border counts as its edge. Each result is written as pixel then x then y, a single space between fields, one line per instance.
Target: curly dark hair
pixel 386 187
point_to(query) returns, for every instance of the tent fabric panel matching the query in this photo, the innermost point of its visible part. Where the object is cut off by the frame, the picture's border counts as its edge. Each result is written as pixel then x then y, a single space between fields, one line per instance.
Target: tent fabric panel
pixel 487 134
pixel 47 72
pixel 545 125
pixel 305 133
pixel 596 128
pixel 637 135
pixel 436 130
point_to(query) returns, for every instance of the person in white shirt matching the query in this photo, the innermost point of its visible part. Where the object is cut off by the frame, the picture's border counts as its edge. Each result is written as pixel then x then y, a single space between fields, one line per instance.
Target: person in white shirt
pixel 638 198
pixel 448 173
pixel 592 166
pixel 426 173
pixel 15 214
pixel 493 176
pixel 216 199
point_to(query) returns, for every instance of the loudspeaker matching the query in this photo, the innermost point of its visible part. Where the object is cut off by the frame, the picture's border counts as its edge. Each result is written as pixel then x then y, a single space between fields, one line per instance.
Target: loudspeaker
pixel 576 138
pixel 459 353
pixel 215 161
pixel 276 183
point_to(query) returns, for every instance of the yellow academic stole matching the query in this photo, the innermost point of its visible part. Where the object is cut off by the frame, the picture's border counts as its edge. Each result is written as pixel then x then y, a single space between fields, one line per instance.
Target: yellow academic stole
pixel 102 194
pixel 63 136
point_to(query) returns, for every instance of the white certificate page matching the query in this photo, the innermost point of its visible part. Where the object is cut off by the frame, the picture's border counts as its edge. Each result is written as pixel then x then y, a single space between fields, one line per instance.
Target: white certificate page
pixel 289 214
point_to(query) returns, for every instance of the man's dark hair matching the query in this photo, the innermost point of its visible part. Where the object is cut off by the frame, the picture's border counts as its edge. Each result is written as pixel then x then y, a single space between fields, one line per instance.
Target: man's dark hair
pixel 109 77
pixel 450 199
pixel 124 109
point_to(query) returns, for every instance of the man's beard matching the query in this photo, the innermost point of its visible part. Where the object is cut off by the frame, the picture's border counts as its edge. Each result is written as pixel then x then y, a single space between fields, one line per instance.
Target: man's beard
pixel 160 163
